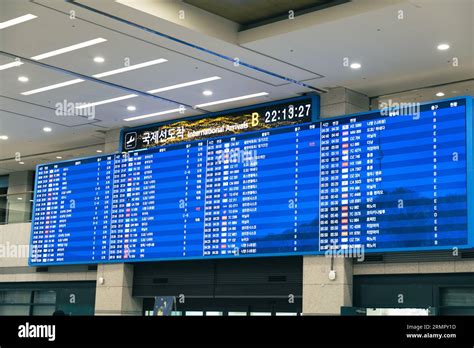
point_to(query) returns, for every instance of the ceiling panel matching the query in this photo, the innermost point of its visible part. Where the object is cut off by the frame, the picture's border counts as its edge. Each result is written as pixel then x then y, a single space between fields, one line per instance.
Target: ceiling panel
pixel 27 136
pixel 25 111
pixel 396 54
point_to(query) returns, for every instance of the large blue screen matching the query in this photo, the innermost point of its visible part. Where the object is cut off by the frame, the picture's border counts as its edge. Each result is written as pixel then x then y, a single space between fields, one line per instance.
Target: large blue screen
pixel 396 180
pixel 381 181
pixel 254 193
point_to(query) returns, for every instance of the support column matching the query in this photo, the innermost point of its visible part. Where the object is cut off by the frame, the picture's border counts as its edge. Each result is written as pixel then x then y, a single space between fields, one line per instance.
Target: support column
pixel 321 295
pixel 341 101
pixel 112 141
pixel 113 293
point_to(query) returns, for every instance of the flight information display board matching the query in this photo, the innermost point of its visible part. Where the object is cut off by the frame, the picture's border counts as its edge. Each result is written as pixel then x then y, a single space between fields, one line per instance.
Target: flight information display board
pixel 396 180
pixel 378 181
pixel 249 194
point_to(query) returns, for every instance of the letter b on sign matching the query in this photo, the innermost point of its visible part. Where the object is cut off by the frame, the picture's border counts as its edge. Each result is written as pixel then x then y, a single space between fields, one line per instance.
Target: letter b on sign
pixel 255 119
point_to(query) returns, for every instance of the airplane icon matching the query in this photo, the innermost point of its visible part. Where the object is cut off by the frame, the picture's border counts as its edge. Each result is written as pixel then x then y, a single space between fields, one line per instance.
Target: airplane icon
pixel 130 140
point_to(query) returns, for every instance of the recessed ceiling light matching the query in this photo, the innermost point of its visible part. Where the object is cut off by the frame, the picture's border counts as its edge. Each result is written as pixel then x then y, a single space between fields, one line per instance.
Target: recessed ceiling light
pixel 99 59
pixel 10 65
pixel 152 115
pixel 184 84
pixel 23 79
pixel 131 108
pixel 21 163
pixel 59 157
pixel 56 52
pixel 443 47
pixel 106 101
pixel 99 151
pixel 207 92
pixel 71 82
pixel 440 94
pixel 47 129
pixel 356 66
pixel 128 96
pixel 233 99
pixel 131 67
pixel 107 73
pixel 17 20
pixel 69 48
pixel 3 137
pixel 57 85
pixel 19 198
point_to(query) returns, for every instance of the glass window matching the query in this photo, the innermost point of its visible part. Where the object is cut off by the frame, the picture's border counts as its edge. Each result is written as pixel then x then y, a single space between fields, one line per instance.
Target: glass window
pixel 240 314
pixel 3 204
pixel 4 181
pixel 44 310
pixel 194 313
pixel 18 302
pixel 15 296
pixel 45 296
pixel 213 313
pixel 19 207
pixel 457 297
pixel 14 310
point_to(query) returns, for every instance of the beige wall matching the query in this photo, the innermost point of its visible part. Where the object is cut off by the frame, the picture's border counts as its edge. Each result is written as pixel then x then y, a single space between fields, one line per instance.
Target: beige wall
pixel 321 295
pixel 342 101
pixel 465 266
pixel 114 291
pixel 14 267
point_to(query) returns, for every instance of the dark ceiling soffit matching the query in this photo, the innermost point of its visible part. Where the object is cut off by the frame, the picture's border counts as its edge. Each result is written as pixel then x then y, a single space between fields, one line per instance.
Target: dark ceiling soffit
pixel 297 13
pixel 284 16
pixel 199 48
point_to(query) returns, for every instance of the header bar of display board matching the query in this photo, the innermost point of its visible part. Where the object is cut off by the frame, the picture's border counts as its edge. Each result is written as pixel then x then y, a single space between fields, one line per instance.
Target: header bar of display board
pixel 235 121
